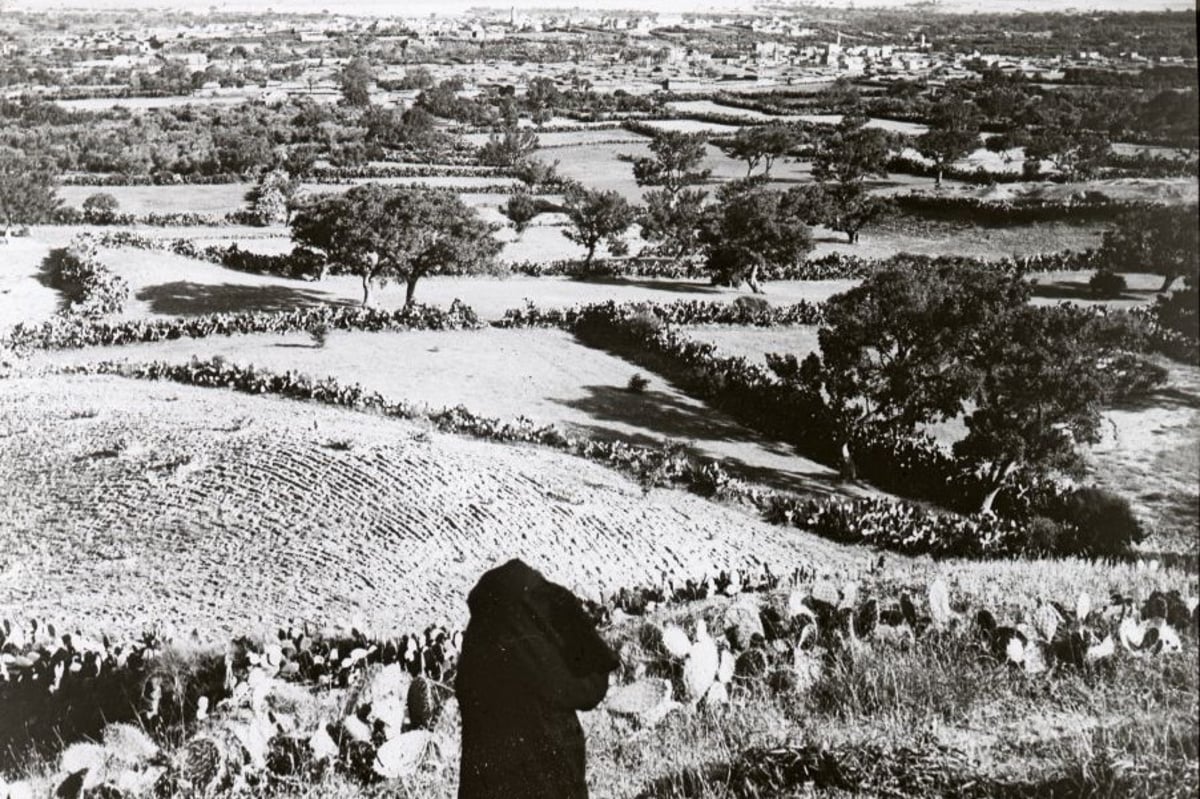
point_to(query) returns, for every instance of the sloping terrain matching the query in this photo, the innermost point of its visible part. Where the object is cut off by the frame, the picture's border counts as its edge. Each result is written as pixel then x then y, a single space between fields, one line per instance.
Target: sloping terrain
pixel 545 375
pixel 127 502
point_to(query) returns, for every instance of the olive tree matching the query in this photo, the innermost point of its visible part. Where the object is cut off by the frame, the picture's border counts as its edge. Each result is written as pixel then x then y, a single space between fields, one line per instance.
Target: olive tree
pixel 400 233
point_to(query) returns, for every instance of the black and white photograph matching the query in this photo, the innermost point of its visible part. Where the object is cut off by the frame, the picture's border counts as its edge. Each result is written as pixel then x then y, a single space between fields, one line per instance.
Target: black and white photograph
pixel 644 399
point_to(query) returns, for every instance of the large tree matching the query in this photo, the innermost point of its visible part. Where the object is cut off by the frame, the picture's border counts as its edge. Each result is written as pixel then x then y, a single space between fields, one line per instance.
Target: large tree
pixel 672 213
pixel 761 144
pixel 401 233
pixel 1159 240
pixel 1039 396
pixel 897 350
pixel 597 216
pixel 672 222
pixel 953 133
pixel 674 163
pixel 844 207
pixel 28 189
pixel 845 159
pixel 1076 153
pixel 852 152
pixel 748 229
pixel 356 79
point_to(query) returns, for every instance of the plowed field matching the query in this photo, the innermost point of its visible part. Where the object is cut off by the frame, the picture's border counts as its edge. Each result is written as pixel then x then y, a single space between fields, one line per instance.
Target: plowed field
pixel 124 502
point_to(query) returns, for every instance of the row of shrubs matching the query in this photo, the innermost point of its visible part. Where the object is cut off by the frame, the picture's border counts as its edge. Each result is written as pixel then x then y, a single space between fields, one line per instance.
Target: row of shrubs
pixel 1089 206
pixel 744 312
pixel 65 332
pixel 299 264
pixel 91 288
pixel 1140 165
pixel 70 215
pixel 882 523
pixel 317 174
pixel 831 266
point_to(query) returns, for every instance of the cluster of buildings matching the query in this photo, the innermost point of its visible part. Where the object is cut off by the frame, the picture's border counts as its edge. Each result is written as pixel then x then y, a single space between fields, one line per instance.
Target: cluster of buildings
pixel 678 48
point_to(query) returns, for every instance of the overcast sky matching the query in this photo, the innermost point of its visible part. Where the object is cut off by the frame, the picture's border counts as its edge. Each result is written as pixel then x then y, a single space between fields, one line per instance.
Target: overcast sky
pixel 421 7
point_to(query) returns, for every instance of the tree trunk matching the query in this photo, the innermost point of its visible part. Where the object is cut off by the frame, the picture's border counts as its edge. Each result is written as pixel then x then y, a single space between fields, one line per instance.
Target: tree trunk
pixel 999 474
pixel 410 290
pixel 587 259
pixel 938 181
pixel 366 283
pixel 847 468
pixel 752 280
pixel 852 236
pixel 1168 281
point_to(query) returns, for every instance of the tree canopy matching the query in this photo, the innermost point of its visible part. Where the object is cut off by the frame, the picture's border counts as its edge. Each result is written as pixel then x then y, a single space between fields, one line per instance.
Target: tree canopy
pixel 402 233
pixel 675 163
pixel 749 229
pixel 597 216
pixel 761 144
pixel 28 189
pixel 1160 240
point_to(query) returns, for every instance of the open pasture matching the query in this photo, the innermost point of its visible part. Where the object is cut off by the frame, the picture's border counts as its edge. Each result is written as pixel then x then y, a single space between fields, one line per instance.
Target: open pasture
pixel 129 502
pixel 24 294
pixel 544 375
pixel 554 139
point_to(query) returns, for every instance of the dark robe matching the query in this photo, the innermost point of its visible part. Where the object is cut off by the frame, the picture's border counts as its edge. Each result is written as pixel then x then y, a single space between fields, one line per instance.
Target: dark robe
pixel 530 658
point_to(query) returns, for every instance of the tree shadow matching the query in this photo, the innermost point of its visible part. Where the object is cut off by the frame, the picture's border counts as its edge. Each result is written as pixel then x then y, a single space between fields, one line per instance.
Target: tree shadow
pixel 1168 397
pixel 677 286
pixel 1080 290
pixel 184 298
pixel 658 411
pixel 664 416
pixel 43 276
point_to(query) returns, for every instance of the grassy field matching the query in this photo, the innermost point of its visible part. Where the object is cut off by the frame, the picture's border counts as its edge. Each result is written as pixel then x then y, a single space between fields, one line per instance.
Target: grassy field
pixel 23 293
pixel 541 374
pixel 166 284
pixel 127 502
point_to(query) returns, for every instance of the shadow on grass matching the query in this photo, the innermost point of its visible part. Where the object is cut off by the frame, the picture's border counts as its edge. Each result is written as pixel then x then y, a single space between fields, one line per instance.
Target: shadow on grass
pixel 1079 290
pixel 183 298
pixel 44 277
pixel 676 286
pixel 661 416
pixel 657 411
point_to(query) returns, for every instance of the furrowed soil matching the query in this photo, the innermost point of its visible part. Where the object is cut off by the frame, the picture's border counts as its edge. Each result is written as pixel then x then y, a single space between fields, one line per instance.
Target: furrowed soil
pixel 128 502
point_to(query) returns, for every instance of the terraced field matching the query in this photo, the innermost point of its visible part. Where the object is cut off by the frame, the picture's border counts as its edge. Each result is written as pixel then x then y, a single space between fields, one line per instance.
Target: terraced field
pixel 127 502
pixel 544 375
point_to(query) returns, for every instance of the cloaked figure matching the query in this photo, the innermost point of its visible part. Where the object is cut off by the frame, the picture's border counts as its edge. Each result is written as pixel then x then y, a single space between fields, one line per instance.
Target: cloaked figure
pixel 530 659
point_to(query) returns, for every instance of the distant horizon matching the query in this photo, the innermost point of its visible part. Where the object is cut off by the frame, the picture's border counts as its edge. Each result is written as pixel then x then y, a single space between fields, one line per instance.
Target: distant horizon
pixel 408 8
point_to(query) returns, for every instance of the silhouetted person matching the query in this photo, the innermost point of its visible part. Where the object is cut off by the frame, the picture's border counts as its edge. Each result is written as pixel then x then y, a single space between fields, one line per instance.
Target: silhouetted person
pixel 530 658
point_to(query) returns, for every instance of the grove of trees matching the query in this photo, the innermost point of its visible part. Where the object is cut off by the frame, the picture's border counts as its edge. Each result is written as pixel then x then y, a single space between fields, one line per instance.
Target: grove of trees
pixel 28 189
pixel 396 233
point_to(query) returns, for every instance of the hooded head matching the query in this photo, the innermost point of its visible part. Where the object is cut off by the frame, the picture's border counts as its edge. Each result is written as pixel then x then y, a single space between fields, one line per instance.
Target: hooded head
pixel 514 600
pixel 505 588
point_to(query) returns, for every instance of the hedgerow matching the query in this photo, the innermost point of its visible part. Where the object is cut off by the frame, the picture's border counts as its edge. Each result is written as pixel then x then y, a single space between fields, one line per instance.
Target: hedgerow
pixel 1091 207
pixel 912 466
pixel 91 288
pixel 65 332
